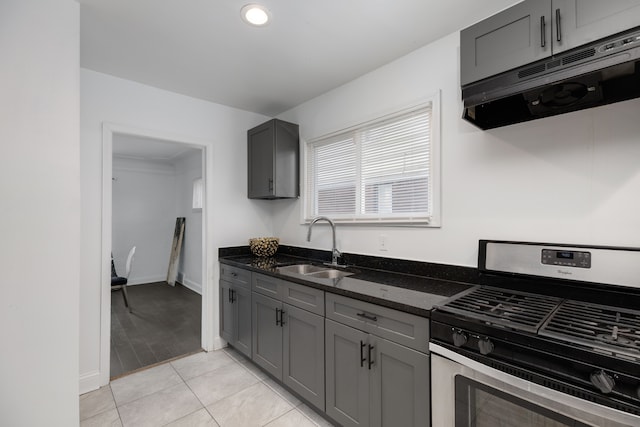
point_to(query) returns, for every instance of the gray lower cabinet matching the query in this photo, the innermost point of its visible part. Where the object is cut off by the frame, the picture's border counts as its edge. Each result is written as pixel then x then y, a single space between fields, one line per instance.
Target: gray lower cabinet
pixel 288 341
pixel 235 309
pixel 303 354
pixel 372 381
pixel 267 334
pixel 362 364
pixel 347 376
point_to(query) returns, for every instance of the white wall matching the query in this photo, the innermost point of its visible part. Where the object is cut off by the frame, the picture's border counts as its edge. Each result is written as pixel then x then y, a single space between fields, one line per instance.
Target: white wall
pixel 144 214
pixel 108 99
pixel 189 168
pixel 570 178
pixel 40 211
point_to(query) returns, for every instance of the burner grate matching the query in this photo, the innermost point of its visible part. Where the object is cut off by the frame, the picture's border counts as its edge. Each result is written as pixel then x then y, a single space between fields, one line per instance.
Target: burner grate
pixel 609 330
pixel 517 310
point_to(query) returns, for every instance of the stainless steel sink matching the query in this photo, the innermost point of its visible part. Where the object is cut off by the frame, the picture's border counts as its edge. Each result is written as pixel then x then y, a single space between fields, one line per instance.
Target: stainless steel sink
pixel 330 274
pixel 317 271
pixel 301 268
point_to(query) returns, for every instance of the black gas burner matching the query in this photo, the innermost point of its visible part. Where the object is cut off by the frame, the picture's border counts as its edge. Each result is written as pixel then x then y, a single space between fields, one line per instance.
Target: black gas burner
pixel 504 308
pixel 606 329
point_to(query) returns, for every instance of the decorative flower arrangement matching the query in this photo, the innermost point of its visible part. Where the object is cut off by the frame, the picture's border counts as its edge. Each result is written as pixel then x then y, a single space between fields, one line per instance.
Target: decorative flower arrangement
pixel 264 246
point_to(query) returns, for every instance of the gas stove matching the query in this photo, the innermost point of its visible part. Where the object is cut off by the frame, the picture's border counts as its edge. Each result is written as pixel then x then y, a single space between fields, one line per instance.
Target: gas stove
pixel 561 316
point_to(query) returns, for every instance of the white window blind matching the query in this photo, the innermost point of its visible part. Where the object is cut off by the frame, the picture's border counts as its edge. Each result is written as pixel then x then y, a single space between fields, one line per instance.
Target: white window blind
pixel 378 172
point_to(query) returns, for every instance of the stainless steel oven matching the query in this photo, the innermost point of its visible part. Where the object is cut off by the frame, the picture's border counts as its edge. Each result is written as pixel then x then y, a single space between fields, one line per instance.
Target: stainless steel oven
pixel 531 348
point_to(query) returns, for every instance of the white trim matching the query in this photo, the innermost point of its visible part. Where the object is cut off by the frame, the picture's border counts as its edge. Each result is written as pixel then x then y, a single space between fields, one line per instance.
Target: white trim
pixel 190 284
pixel 210 338
pixel 435 219
pixel 89 381
pixel 218 343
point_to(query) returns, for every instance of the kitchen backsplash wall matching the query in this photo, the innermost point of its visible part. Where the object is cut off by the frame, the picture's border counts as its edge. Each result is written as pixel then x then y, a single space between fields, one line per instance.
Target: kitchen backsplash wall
pixel 570 178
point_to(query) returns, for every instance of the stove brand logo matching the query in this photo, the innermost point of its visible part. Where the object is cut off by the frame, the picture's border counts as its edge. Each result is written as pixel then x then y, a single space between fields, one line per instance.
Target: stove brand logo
pixel 565 272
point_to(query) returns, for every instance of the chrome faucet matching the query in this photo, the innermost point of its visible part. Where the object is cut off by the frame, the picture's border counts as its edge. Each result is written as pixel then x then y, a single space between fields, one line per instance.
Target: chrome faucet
pixel 335 253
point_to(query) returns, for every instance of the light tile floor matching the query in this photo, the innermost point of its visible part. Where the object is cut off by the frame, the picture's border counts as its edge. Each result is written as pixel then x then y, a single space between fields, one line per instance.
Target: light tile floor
pixel 220 388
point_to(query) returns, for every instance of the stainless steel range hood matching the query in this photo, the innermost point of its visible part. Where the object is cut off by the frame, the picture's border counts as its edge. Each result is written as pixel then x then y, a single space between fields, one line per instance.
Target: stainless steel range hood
pixel 596 74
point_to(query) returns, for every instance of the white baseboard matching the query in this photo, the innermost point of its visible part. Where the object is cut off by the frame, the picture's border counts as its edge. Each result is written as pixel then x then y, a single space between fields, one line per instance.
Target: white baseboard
pixel 218 343
pixel 89 382
pixel 195 287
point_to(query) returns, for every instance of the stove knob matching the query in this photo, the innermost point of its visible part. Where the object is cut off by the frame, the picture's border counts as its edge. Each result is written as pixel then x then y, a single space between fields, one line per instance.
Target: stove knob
pixel 459 338
pixel 603 381
pixel 485 345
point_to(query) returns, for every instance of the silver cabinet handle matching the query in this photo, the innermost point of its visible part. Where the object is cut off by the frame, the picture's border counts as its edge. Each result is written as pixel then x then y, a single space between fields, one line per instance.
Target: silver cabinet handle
pixel 558 29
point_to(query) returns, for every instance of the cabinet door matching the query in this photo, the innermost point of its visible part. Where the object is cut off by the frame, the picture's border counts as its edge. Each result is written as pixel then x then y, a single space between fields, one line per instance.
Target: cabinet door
pixel 303 358
pixel 242 306
pixel 347 376
pixel 267 334
pixel 512 38
pixel 584 21
pixel 226 312
pixel 261 164
pixel 399 386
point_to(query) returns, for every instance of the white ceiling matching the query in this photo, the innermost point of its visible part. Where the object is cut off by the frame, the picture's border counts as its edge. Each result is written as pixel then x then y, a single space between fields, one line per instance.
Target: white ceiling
pixel 203 49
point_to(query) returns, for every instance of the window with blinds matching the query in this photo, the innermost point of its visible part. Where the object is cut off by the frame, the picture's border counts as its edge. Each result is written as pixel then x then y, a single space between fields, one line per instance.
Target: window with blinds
pixel 381 171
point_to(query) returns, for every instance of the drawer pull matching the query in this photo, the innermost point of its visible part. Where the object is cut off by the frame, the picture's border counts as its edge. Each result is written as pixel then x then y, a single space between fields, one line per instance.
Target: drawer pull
pixel 279 317
pixel 368 317
pixel 362 359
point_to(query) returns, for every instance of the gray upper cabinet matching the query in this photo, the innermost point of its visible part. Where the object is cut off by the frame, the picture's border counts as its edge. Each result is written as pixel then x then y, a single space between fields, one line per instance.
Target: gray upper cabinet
pixel 514 37
pixel 584 21
pixel 273 160
pixel 536 29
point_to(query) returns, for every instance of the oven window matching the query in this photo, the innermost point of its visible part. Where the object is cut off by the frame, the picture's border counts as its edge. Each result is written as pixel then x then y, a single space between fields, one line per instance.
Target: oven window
pixel 478 405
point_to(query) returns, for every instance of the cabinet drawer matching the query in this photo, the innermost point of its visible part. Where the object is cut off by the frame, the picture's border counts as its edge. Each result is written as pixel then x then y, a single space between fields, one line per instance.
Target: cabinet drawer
pixel 303 297
pixel 267 285
pixel 235 275
pixel 397 326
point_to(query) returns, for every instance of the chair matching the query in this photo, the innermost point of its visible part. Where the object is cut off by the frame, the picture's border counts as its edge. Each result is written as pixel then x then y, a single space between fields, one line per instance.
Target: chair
pixel 120 282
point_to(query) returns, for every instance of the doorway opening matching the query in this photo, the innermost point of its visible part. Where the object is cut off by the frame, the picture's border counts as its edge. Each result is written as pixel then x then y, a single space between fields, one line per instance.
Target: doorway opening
pixel 149 180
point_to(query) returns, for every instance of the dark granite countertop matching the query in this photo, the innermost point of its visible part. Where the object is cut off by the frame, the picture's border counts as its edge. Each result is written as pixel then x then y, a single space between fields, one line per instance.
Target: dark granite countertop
pixel 403 290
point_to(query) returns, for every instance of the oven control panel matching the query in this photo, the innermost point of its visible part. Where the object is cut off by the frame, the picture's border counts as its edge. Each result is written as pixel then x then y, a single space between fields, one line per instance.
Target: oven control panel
pixel 566 258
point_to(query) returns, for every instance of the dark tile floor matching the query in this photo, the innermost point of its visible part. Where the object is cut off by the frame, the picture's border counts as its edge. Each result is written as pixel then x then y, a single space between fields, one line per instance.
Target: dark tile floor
pixel 165 323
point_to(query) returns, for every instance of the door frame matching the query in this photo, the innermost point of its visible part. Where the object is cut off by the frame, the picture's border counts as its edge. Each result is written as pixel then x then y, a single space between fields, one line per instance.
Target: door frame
pixel 209 338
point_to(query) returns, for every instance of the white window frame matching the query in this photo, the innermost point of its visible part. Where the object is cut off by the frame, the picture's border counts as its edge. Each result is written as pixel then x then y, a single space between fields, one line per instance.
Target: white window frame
pixel 433 220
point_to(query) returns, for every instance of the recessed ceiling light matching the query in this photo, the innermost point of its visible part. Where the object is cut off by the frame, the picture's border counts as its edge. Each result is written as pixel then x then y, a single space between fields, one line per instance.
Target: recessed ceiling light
pixel 255 14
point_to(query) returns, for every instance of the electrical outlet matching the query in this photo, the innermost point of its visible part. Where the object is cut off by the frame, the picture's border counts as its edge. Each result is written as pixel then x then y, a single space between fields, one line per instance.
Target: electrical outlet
pixel 383 243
